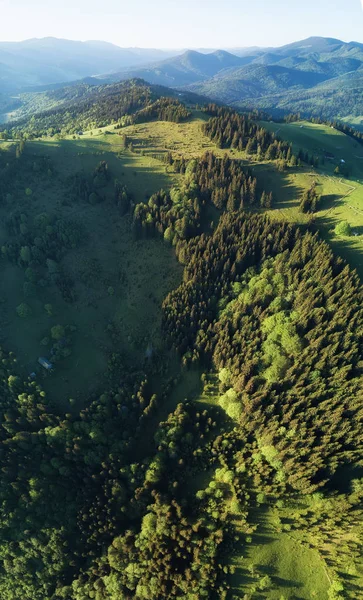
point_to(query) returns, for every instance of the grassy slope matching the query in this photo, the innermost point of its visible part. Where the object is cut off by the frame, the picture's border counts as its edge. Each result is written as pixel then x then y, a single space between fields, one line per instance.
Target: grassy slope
pixel 356 122
pixel 321 139
pixel 140 271
pixel 301 554
pixel 296 571
pixel 342 199
pixel 179 138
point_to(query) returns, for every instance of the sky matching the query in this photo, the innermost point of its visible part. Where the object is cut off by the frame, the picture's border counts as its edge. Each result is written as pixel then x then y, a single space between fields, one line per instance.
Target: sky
pixel 182 23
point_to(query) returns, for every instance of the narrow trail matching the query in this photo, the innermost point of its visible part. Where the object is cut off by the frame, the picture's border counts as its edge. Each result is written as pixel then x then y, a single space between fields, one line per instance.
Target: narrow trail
pixel 360 212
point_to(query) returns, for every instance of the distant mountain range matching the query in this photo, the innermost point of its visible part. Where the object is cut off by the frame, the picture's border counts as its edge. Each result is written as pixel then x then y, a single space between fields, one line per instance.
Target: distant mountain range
pixel 279 79
pixel 317 76
pixel 310 76
pixel 48 61
pixel 38 62
pixel 191 67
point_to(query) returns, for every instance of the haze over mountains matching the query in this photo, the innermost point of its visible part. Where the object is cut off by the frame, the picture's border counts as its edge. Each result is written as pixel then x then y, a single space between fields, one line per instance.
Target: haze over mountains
pixel 188 68
pixel 323 57
pixel 309 76
pixel 37 62
pixel 45 61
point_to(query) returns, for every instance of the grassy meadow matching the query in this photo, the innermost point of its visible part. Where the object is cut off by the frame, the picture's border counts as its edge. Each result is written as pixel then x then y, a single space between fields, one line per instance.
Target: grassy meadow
pixel 140 272
pixel 356 122
pixel 295 569
pixel 341 198
pixel 322 141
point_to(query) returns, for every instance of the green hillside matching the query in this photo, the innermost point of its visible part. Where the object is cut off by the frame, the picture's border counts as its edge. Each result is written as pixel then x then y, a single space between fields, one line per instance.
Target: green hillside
pixel 143 271
pixel 198 434
pixel 323 141
pixel 341 198
pixel 256 81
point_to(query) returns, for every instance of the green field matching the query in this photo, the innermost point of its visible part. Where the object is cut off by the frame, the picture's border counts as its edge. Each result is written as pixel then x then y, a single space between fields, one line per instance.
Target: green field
pixel 356 122
pixel 295 570
pixel 341 199
pixel 301 560
pixel 322 141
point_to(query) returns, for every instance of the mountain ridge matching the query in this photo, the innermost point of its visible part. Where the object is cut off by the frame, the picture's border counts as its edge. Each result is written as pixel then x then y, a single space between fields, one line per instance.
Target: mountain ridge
pixel 250 78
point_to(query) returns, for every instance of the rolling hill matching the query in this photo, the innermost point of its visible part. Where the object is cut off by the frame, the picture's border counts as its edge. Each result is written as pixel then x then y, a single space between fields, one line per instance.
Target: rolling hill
pixel 75 107
pixel 337 98
pixel 256 81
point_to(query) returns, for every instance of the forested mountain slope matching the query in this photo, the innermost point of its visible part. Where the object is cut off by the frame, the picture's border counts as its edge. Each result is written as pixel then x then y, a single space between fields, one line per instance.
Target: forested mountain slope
pixel 181 373
pixel 77 107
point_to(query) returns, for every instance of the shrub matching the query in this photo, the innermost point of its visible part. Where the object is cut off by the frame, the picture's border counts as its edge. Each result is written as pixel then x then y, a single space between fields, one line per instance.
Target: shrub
pixel 57 332
pixel 23 310
pixel 343 229
pixel 48 309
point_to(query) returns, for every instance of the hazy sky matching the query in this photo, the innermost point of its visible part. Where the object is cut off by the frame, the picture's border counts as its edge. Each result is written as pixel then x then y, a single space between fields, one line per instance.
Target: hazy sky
pixel 182 23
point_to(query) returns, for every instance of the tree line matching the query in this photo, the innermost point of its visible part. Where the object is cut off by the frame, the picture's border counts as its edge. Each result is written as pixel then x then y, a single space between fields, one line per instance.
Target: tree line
pixel 229 129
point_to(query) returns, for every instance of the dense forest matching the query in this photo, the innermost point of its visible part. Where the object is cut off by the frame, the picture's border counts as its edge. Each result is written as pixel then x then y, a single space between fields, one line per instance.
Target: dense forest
pixel 281 338
pixel 210 182
pixel 122 498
